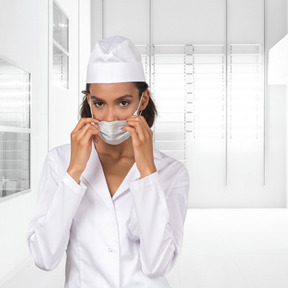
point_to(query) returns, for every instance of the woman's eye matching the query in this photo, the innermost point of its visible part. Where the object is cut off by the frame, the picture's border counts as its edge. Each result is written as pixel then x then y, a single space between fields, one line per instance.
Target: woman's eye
pixel 124 103
pixel 98 104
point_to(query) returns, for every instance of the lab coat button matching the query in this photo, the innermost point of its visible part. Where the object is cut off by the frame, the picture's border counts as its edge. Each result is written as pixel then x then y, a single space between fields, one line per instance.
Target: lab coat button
pixel 110 250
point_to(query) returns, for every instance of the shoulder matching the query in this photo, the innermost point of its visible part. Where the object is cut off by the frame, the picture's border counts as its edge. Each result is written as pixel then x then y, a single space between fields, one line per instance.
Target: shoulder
pixel 168 165
pixel 56 162
pixel 59 156
pixel 173 175
pixel 60 151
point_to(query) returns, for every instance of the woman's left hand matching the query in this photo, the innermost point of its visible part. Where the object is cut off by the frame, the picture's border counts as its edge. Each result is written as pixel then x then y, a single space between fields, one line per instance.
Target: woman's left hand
pixel 142 140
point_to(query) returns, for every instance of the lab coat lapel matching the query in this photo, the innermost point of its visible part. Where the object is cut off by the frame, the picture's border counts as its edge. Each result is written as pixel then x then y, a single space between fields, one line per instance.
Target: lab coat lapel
pixel 94 175
pixel 132 175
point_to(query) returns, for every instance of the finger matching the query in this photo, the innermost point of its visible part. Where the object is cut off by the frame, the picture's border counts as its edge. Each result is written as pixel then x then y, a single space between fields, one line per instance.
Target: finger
pixel 138 125
pixel 140 118
pixel 81 133
pixel 146 126
pixel 137 131
pixel 143 120
pixel 87 133
pixel 134 135
pixel 141 129
pixel 96 138
pixel 82 122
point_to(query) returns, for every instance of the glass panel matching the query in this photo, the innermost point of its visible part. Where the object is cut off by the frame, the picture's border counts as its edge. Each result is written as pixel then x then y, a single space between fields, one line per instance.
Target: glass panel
pixel 14 118
pixel 145 60
pixel 60 48
pixel 60 27
pixel 14 96
pixel 60 68
pixel 14 162
pixel 245 95
pixel 168 87
pixel 188 83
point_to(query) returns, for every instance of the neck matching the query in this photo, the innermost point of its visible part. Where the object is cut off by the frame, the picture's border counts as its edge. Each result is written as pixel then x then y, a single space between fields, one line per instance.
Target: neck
pixel 125 149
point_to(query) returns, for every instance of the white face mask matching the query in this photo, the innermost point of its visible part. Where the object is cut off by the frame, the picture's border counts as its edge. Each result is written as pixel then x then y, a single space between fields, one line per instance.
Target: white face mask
pixel 112 132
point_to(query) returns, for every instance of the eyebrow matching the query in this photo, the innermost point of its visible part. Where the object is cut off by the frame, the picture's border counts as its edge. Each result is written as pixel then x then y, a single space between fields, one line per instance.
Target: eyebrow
pixel 117 99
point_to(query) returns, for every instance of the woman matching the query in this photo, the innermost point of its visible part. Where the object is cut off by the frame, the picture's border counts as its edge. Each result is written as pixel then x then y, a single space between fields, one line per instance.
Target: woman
pixel 115 204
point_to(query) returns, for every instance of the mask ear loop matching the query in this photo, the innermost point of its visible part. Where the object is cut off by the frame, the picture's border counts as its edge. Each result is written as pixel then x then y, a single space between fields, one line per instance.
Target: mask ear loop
pixel 84 92
pixel 90 100
pixel 139 105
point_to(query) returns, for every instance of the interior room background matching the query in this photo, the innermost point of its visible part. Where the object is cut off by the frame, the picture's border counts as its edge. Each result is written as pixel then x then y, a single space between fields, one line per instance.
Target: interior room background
pixel 206 62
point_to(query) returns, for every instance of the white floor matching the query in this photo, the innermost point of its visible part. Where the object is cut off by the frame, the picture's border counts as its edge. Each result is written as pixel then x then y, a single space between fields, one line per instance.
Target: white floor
pixel 234 249
pixel 222 248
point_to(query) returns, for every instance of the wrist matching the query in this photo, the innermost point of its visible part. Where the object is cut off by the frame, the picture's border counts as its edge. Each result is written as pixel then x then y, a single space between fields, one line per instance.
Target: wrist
pixel 75 174
pixel 147 172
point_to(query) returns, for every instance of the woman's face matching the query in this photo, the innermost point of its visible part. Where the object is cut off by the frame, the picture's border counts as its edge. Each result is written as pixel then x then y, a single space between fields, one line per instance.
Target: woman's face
pixel 114 101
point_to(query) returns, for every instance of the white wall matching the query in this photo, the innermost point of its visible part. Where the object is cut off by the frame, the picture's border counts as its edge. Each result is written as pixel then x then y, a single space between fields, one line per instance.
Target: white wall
pixel 84 43
pixel 275 107
pixel 179 22
pixel 24 37
pixel 286 143
pixel 24 40
pixel 96 22
pixel 63 103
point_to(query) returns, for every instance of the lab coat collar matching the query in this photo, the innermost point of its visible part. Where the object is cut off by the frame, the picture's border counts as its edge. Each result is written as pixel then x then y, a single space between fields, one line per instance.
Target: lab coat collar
pixel 94 175
pixel 132 175
pixel 157 154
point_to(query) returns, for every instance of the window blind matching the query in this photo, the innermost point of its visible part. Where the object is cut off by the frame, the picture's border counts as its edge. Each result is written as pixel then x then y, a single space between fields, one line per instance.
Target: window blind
pixel 245 93
pixel 188 84
pixel 14 129
pixel 60 48
pixel 209 97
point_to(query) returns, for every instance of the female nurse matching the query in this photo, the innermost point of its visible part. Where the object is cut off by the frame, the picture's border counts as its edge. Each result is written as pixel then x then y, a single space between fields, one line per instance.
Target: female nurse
pixel 110 200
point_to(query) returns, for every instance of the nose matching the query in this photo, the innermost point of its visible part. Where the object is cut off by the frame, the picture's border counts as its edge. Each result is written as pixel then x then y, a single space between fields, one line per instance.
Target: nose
pixel 110 115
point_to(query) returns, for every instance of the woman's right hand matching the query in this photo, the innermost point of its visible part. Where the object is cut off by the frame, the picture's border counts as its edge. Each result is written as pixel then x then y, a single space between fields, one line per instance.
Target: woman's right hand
pixel 81 145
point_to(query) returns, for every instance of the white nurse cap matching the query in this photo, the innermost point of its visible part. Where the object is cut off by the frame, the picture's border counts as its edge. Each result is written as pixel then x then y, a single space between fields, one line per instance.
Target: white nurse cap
pixel 115 59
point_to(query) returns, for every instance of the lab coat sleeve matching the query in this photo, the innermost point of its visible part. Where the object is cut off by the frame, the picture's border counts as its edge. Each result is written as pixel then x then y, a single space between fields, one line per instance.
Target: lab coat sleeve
pixel 160 220
pixel 49 229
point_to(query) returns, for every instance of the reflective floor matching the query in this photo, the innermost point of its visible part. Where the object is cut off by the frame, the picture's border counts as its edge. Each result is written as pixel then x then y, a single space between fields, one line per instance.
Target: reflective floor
pixel 234 248
pixel 222 248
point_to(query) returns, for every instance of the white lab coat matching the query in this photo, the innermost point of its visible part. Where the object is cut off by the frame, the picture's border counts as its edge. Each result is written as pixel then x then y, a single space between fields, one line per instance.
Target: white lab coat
pixel 129 240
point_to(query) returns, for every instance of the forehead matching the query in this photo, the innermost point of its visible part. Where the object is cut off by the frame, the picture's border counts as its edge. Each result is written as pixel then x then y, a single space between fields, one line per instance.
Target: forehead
pixel 116 89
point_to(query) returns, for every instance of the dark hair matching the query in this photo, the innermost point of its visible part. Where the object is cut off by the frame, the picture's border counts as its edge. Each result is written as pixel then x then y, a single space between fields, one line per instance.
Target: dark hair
pixel 149 113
